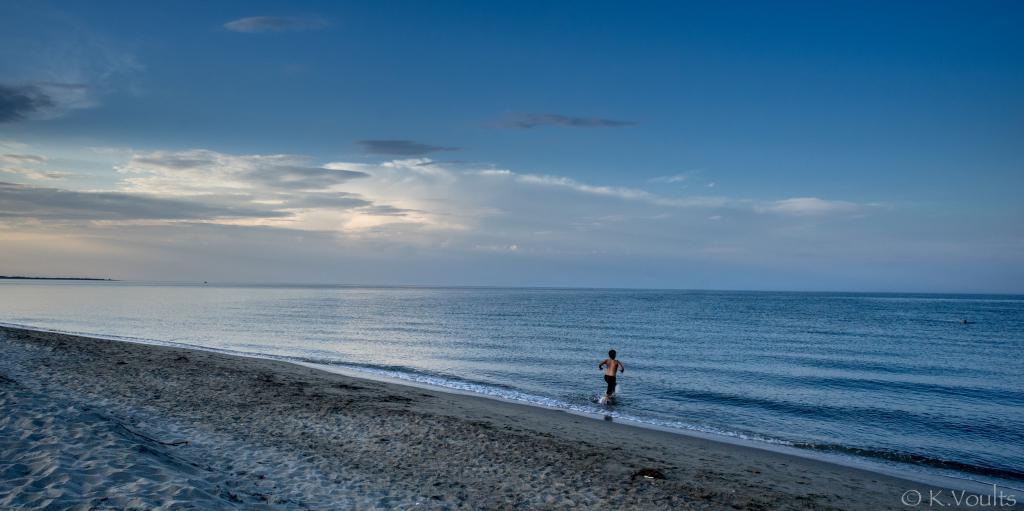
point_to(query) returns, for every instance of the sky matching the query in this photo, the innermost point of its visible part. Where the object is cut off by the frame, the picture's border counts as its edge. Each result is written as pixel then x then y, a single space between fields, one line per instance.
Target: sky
pixel 826 146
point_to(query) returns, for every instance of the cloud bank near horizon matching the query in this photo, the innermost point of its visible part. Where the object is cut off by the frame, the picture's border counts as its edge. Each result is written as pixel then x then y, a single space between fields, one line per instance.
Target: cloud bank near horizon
pixel 286 185
pixel 402 220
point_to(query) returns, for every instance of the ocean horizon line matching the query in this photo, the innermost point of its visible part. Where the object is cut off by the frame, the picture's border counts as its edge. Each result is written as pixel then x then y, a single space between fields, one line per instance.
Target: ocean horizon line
pixel 290 284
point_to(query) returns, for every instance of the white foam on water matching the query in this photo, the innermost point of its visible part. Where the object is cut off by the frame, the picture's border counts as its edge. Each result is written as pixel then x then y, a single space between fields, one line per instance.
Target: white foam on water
pixel 473 388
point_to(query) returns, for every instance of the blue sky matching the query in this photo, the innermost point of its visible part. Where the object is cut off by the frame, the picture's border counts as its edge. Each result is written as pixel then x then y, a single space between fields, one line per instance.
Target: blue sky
pixel 795 145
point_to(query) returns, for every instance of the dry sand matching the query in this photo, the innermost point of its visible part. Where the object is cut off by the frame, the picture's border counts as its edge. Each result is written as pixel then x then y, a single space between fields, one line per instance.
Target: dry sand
pixel 98 424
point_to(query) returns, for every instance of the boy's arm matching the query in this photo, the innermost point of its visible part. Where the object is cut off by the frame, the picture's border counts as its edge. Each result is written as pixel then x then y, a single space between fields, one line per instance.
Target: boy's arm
pixel 601 365
pixel 622 368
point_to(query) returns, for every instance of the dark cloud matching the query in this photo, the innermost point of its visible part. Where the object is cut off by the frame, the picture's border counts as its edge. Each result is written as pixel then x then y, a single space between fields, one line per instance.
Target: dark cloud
pixel 341 200
pixel 22 158
pixel 34 174
pixel 401 147
pixel 23 201
pixel 265 172
pixel 385 210
pixel 174 162
pixel 528 121
pixel 18 102
pixel 260 24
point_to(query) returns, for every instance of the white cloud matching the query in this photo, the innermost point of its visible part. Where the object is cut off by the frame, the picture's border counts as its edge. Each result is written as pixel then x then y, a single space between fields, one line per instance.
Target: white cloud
pixel 8 145
pixel 29 166
pixel 805 206
pixel 203 172
pixel 349 198
pixel 572 184
pixel 14 159
pixel 415 205
pixel 678 178
pixel 491 172
pixel 34 174
pixel 811 206
pixel 624 193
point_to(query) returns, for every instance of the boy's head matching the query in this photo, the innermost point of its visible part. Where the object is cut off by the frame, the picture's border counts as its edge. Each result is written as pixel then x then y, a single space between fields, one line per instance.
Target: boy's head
pixel 611 354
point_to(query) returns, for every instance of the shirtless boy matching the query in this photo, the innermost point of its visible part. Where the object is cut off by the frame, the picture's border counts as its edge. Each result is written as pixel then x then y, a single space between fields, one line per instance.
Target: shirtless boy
pixel 610 366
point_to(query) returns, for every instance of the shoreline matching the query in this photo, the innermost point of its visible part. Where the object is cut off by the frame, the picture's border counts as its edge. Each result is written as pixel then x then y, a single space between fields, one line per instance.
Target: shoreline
pixel 701 472
pixel 946 481
pixel 950 480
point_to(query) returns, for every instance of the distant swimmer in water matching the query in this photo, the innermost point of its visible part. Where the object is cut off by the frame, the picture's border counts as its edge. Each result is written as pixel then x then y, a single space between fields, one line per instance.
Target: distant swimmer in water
pixel 965 322
pixel 610 366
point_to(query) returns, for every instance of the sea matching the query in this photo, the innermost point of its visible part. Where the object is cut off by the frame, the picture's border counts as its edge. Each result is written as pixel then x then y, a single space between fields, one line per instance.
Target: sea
pixel 920 384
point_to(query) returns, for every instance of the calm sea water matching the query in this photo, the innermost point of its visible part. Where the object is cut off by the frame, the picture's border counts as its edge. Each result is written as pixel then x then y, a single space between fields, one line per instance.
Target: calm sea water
pixel 889 377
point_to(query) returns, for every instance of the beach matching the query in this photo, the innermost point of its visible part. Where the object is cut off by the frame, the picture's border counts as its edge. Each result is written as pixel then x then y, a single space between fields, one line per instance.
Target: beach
pixel 96 424
pixel 511 255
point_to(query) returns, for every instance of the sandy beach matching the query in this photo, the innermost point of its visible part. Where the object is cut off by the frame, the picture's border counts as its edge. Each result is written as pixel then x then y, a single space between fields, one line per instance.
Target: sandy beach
pixel 99 424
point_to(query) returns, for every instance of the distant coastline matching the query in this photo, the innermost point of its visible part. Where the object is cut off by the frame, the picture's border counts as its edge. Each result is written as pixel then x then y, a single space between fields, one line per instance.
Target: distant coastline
pixel 20 277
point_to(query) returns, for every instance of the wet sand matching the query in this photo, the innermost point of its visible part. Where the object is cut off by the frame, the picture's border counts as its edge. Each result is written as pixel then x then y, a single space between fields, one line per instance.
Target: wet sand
pixel 91 423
